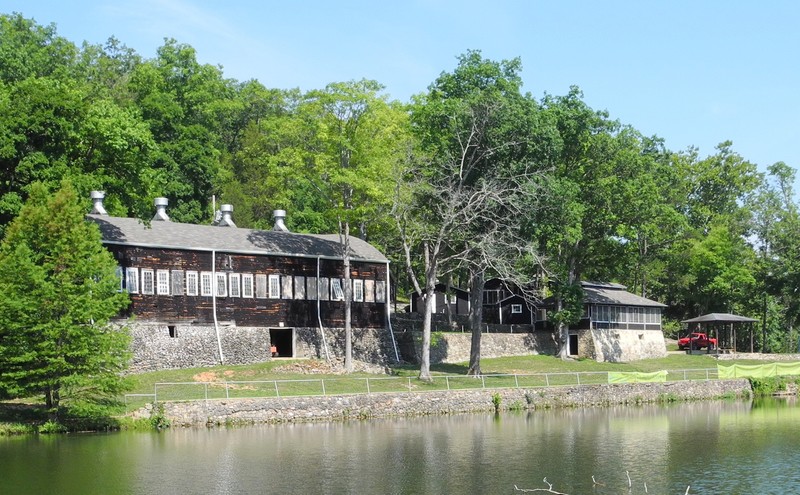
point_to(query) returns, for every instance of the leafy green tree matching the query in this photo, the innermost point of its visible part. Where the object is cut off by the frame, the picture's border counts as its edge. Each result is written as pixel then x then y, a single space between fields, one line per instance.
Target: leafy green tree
pixel 356 137
pixel 60 290
pixel 460 201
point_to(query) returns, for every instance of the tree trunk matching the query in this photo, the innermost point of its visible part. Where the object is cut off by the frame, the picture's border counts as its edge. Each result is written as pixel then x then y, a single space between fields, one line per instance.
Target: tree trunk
pixel 475 318
pixel 348 303
pixel 425 359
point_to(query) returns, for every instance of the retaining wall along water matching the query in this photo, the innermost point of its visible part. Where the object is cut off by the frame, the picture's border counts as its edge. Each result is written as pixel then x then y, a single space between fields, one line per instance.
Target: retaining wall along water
pixel 381 405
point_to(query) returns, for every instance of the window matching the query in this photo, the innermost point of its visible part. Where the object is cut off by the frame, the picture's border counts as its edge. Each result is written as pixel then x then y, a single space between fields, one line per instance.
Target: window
pixel 177 283
pixel 205 284
pixel 247 285
pixel 274 286
pixel 120 273
pixel 162 285
pixel 173 331
pixel 287 287
pixel 311 288
pixel 324 291
pixel 336 290
pixel 299 287
pixel 369 291
pixel 380 291
pixel 191 283
pixel 222 285
pixel 233 282
pixel 147 281
pixel 132 280
pixel 261 286
pixel 516 309
pixel 358 290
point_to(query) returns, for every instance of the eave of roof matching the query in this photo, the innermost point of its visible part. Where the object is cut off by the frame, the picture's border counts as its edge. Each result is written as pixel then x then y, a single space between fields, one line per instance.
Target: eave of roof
pixel 184 236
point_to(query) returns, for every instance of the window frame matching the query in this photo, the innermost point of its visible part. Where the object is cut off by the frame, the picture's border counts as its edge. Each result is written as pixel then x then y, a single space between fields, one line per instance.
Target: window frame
pixel 148 281
pixel 516 309
pixel 192 283
pixel 234 285
pixel 358 290
pixel 221 284
pixel 163 283
pixel 132 275
pixel 206 284
pixel 248 287
pixel 274 286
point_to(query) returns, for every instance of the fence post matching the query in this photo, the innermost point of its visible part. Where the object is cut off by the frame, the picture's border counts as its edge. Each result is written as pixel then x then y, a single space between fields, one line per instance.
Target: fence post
pixel 367 379
pixel 205 386
pixel 516 380
pixel 483 381
pixel 409 384
pixel 227 393
pixel 447 381
pixel 277 393
pixel 322 381
pixel 155 394
pixel 578 377
pixel 547 379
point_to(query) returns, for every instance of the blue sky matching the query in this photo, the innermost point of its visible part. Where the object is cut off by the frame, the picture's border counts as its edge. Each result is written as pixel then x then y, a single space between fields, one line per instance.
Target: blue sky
pixel 692 72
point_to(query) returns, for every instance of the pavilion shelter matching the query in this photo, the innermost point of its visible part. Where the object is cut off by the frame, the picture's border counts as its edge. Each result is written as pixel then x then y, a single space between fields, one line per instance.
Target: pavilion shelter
pixel 724 327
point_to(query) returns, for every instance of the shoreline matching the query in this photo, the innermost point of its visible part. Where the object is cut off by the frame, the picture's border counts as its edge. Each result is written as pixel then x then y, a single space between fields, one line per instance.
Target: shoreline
pixel 286 410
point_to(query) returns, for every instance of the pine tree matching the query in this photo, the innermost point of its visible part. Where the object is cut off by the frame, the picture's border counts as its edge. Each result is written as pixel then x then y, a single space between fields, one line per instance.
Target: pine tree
pixel 60 289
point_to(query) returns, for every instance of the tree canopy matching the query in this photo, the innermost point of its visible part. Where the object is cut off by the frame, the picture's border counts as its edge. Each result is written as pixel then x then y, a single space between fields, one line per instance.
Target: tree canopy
pixel 60 289
pixel 575 193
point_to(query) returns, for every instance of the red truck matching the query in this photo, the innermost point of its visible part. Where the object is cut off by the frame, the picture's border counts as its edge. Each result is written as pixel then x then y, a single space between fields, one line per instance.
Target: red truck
pixel 697 340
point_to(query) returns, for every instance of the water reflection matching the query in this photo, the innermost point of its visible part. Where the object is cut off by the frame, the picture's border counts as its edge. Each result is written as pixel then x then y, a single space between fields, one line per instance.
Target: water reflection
pixel 719 447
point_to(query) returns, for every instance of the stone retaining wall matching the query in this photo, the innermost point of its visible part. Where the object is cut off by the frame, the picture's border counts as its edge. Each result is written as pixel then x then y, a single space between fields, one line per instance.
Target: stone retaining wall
pixel 190 346
pixel 365 406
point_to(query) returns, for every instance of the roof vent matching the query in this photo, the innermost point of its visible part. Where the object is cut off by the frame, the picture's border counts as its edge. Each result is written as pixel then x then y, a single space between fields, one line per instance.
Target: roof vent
pixel 161 210
pixel 97 203
pixel 223 217
pixel 279 225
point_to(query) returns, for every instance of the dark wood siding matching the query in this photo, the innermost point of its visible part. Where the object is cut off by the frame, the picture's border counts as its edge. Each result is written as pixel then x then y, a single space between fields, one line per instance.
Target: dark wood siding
pixel 286 311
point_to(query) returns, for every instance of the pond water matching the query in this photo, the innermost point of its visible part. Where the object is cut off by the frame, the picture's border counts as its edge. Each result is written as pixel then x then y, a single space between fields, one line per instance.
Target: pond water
pixel 713 447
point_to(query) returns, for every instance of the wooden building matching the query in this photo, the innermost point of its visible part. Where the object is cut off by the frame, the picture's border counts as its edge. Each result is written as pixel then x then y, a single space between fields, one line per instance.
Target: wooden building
pixel 447 299
pixel 617 325
pixel 210 275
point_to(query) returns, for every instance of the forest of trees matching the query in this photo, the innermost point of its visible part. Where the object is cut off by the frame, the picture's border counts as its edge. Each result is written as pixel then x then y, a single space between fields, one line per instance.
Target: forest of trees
pixel 472 178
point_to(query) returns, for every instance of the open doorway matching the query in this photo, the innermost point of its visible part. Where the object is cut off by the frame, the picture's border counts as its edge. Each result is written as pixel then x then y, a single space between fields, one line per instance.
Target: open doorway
pixel 573 344
pixel 281 342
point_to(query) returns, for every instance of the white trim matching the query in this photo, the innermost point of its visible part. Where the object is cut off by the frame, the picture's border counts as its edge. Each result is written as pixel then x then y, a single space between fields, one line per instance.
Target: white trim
pixel 221 285
pixel 132 280
pixel 234 285
pixel 274 286
pixel 148 281
pixel 248 289
pixel 206 284
pixel 358 290
pixel 192 281
pixel 162 282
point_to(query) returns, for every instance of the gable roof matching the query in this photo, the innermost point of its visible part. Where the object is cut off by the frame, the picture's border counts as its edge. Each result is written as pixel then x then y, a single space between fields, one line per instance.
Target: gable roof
pixel 611 293
pixel 173 235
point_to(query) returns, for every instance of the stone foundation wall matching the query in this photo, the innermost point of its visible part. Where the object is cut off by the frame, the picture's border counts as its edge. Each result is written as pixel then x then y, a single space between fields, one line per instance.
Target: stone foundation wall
pixel 194 346
pixel 622 346
pixel 343 407
pixel 452 347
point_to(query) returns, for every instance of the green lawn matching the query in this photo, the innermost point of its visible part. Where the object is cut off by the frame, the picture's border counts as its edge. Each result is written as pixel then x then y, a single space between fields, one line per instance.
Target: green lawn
pixel 272 378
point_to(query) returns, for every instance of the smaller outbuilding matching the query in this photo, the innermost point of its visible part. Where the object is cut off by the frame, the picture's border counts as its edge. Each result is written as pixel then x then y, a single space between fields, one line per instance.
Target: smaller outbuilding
pixel 723 327
pixel 617 325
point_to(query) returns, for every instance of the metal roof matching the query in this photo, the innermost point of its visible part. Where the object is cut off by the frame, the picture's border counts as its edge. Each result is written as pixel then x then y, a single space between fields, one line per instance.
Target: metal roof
pixel 174 235
pixel 609 293
pixel 720 318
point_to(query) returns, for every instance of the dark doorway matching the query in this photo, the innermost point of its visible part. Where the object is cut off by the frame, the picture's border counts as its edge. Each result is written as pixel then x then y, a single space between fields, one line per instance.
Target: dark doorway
pixel 573 345
pixel 281 342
